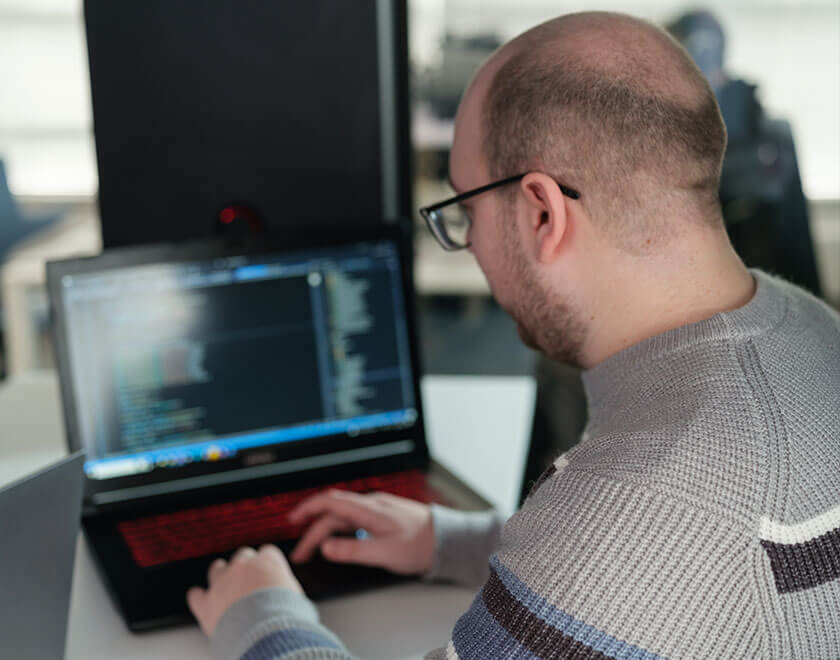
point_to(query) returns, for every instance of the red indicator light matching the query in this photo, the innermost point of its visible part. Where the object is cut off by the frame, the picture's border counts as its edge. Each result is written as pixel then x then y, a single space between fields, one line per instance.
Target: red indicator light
pixel 227 215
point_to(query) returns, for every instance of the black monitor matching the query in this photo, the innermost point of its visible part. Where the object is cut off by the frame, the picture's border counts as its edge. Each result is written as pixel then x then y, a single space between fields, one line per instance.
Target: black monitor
pixel 223 114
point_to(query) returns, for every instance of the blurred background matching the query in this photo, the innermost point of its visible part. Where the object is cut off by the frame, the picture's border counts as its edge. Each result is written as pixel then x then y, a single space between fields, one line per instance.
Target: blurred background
pixel 775 65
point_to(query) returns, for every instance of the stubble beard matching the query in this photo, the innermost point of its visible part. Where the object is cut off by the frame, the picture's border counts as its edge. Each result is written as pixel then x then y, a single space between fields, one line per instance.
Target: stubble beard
pixel 551 328
pixel 545 324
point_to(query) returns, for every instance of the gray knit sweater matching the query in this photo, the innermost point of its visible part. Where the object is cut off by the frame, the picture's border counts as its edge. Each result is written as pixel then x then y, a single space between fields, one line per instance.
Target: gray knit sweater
pixel 699 517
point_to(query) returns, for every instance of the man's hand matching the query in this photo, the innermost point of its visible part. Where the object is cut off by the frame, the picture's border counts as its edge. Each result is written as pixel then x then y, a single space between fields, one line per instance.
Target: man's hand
pixel 247 571
pixel 401 536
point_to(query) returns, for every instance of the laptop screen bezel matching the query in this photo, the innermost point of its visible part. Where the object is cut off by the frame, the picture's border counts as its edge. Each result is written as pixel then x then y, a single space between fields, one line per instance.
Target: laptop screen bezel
pixel 113 259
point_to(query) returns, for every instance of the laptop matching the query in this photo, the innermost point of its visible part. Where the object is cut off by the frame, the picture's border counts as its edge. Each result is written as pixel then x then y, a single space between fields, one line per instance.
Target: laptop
pixel 213 386
pixel 39 519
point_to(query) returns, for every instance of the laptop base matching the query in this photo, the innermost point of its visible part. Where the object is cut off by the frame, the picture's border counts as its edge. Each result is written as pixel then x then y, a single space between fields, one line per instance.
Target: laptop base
pixel 155 597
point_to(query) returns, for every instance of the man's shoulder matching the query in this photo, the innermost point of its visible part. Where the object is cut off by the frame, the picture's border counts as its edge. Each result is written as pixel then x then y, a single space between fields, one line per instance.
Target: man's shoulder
pixel 719 418
pixel 703 461
pixel 800 307
pixel 794 370
pixel 594 551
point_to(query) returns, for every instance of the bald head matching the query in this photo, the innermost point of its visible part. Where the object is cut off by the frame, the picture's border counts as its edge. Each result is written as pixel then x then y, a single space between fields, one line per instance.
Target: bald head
pixel 611 106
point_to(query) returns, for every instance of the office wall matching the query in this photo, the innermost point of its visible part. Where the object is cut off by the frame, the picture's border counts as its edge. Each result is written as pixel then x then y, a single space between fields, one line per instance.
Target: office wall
pixel 45 118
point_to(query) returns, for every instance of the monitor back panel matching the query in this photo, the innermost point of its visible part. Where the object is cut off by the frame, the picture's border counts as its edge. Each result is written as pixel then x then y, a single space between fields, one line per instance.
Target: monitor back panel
pixel 208 111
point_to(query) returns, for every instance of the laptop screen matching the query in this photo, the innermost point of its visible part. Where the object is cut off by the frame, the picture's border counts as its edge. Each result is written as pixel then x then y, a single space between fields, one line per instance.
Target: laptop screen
pixel 193 372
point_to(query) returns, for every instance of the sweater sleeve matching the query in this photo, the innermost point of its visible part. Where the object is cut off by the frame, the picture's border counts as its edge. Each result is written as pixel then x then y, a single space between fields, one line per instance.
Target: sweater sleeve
pixel 463 542
pixel 274 623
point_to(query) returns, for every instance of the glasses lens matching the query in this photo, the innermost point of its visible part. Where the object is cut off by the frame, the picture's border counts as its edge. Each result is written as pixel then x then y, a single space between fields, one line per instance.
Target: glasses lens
pixel 450 225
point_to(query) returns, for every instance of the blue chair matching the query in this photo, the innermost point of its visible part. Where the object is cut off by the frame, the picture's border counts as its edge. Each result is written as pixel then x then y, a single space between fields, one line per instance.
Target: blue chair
pixel 14 227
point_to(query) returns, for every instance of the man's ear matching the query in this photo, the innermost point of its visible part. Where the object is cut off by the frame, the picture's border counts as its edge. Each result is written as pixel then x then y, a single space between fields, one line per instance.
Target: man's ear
pixel 547 217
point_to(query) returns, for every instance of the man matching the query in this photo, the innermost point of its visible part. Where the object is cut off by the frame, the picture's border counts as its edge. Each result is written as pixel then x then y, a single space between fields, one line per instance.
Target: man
pixel 699 517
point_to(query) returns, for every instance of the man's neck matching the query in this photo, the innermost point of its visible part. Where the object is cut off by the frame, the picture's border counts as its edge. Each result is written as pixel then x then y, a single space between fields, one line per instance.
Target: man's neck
pixel 643 303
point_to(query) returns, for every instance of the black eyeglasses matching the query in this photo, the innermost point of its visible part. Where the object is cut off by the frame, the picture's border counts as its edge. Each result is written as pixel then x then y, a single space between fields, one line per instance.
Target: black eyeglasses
pixel 449 223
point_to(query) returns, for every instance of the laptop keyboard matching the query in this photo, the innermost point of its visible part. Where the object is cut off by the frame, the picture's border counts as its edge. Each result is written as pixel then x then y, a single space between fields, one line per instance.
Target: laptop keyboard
pixel 220 528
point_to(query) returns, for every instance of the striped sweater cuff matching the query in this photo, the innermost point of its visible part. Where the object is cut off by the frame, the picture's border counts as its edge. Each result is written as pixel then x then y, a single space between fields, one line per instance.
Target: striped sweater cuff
pixel 268 624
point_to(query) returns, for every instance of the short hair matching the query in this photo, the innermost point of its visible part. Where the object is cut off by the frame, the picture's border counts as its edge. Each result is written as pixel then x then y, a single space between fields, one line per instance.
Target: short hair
pixel 636 128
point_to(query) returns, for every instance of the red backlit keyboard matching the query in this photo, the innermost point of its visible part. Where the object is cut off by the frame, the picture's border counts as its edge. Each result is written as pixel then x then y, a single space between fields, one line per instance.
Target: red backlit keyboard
pixel 220 528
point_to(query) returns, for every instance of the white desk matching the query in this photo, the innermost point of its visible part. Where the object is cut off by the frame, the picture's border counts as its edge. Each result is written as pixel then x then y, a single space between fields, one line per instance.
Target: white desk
pixel 477 426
